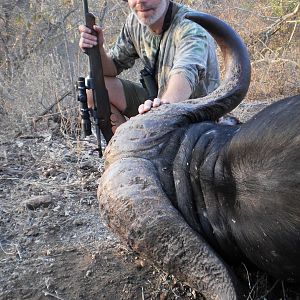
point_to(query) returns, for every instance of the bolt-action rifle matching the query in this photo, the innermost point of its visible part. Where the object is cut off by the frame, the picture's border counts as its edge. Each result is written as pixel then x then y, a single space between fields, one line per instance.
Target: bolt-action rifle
pixel 95 82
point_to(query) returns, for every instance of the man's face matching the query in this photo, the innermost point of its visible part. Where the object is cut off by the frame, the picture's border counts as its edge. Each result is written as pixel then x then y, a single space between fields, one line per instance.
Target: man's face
pixel 148 12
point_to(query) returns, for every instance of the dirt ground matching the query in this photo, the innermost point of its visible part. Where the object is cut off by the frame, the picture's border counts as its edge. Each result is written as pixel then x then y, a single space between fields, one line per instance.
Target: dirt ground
pixel 53 244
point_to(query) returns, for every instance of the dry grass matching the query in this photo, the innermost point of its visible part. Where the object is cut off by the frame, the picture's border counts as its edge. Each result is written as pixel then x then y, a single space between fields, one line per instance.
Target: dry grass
pixel 33 82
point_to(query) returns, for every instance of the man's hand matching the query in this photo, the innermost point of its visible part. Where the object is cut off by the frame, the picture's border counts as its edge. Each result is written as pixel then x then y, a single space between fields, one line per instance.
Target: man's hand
pixel 87 40
pixel 178 89
pixel 148 104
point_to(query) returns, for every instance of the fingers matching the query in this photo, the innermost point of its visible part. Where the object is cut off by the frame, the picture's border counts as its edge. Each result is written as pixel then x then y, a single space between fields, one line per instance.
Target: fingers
pixel 156 102
pixel 148 104
pixel 87 39
pixel 145 107
pixel 83 28
pixel 97 28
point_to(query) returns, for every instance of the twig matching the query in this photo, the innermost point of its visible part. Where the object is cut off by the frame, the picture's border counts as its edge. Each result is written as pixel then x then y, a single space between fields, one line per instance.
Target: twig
pixel 10 178
pixel 52 295
pixel 143 297
pixel 51 106
pixel 248 11
pixel 273 61
pixel 12 253
pixel 7 253
pixel 248 277
pixel 269 290
pixel 103 14
pixel 250 292
pixel 292 34
pixel 283 290
pixel 272 29
pixel 18 251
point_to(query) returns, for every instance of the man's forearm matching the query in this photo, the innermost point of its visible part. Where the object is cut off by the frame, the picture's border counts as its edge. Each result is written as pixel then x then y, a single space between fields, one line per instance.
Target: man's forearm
pixel 108 65
pixel 178 89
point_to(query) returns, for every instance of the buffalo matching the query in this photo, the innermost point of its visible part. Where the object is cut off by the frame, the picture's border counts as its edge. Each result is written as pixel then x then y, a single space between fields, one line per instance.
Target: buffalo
pixel 195 196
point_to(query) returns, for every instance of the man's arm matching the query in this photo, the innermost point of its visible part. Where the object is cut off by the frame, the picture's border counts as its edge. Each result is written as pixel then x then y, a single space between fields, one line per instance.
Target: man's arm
pixel 193 46
pixel 178 89
pixel 108 64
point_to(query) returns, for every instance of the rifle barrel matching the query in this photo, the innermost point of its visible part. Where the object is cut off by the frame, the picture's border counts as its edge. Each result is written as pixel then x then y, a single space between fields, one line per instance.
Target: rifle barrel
pixel 85 7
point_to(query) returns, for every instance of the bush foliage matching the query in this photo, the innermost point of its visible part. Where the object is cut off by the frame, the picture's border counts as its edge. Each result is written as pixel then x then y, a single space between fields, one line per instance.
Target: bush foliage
pixel 40 60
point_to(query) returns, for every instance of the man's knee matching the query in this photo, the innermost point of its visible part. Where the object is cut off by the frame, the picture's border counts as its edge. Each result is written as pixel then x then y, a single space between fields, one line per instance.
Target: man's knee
pixel 116 93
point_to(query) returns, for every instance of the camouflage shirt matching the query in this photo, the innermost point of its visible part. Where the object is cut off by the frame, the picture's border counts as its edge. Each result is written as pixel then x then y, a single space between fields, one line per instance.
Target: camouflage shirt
pixel 184 48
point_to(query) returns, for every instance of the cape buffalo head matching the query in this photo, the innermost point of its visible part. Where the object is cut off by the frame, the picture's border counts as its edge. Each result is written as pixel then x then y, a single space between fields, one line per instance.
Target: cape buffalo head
pixel 190 194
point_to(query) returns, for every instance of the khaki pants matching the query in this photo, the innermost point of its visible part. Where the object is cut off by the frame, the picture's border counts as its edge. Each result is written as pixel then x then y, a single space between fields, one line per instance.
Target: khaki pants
pixel 135 95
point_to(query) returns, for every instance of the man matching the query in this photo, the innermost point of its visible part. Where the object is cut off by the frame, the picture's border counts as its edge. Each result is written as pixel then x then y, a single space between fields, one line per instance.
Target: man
pixel 178 53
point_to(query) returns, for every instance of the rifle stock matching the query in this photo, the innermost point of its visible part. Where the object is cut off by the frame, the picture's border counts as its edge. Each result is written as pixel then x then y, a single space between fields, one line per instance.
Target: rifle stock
pixel 101 106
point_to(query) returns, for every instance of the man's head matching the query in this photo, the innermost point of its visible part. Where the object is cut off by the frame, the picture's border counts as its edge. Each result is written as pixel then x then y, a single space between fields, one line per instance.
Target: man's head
pixel 149 12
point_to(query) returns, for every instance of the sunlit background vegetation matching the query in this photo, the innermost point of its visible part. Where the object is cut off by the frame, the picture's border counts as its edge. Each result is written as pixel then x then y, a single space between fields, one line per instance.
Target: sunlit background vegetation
pixel 40 60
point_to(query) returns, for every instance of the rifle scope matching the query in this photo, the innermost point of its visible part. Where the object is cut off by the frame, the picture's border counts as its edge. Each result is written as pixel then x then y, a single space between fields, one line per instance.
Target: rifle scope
pixel 84 110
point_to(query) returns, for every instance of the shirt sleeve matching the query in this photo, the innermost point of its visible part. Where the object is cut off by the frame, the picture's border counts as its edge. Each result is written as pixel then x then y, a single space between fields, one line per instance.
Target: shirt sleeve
pixel 123 52
pixel 192 47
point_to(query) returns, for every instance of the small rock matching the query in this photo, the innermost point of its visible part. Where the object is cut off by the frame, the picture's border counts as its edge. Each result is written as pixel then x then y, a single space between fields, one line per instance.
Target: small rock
pixel 49 172
pixel 88 273
pixel 85 165
pixel 140 263
pixel 33 232
pixel 37 201
pixel 163 295
pixel 78 222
